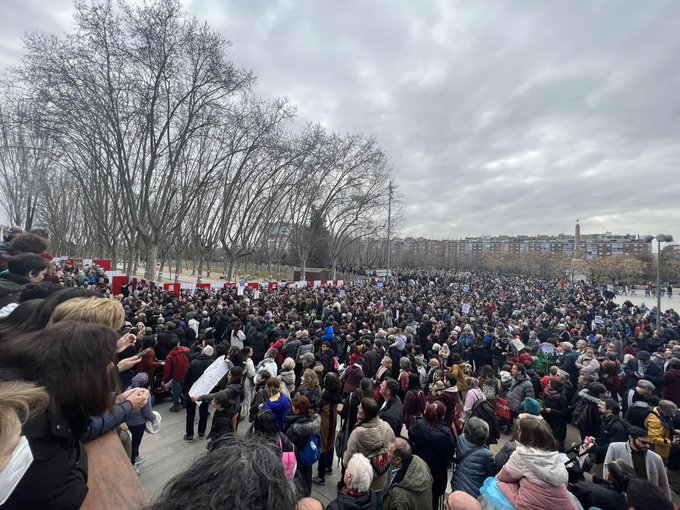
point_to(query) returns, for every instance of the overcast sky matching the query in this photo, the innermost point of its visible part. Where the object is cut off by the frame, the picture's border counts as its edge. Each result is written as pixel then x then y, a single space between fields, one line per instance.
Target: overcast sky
pixel 513 117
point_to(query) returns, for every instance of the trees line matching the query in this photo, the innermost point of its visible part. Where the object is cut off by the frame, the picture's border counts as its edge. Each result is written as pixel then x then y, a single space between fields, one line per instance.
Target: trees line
pixel 134 137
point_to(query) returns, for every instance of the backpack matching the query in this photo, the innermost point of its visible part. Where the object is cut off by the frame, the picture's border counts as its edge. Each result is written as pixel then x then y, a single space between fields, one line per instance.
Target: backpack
pixel 302 350
pixel 483 410
pixel 311 451
pixel 380 461
pixel 289 461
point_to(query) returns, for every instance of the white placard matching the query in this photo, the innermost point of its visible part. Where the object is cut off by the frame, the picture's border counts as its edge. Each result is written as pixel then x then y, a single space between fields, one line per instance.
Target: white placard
pixel 466 287
pixel 212 375
pixel 598 319
pixel 466 307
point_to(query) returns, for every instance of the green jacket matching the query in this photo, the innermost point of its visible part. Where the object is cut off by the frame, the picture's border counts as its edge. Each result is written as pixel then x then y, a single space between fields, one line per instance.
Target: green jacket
pixel 414 492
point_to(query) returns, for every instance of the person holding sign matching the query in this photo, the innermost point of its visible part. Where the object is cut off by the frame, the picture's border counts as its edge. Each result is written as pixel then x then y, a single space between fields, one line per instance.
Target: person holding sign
pixel 196 369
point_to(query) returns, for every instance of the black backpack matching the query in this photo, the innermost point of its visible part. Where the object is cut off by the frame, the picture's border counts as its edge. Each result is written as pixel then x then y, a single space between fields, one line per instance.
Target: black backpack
pixel 483 410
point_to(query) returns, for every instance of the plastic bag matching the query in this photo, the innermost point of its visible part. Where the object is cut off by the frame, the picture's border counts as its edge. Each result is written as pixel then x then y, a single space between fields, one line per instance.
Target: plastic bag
pixel 494 499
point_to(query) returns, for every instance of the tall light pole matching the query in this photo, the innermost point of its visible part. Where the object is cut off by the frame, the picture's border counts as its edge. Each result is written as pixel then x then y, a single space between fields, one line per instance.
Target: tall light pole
pixel 660 238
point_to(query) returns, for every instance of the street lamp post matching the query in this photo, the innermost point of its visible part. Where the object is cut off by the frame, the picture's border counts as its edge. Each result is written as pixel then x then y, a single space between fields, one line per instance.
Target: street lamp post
pixel 660 238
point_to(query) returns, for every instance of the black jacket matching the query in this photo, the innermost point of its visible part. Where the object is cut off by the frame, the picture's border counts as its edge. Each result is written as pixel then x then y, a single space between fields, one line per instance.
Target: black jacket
pixel 371 362
pixel 598 493
pixel 614 430
pixel 11 286
pixel 559 414
pixel 57 478
pixel 195 371
pixel 345 502
pixel 393 414
pixel 258 342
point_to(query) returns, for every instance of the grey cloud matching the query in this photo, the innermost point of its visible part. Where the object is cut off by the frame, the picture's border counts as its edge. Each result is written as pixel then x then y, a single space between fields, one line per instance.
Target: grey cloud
pixel 499 117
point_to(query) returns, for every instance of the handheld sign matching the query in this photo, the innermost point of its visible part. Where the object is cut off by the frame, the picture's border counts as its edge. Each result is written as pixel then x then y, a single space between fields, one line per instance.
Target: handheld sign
pixel 210 378
pixel 598 319
pixel 466 288
pixel 466 308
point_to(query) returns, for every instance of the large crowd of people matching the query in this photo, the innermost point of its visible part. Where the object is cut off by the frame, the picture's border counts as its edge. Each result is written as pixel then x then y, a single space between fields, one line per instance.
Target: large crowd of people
pixel 407 383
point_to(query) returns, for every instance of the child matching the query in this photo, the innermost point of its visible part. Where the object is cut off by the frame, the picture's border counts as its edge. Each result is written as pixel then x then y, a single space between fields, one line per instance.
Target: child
pixel 222 422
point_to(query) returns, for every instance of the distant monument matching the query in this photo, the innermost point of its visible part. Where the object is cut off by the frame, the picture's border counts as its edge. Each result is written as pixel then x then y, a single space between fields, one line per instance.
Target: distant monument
pixel 578 269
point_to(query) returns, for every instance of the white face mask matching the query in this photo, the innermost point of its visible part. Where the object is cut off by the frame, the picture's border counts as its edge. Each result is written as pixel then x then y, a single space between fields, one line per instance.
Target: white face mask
pixel 22 458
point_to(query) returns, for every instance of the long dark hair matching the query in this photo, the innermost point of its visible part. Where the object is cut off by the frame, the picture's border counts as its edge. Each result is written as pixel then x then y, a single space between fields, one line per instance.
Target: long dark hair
pixel 72 360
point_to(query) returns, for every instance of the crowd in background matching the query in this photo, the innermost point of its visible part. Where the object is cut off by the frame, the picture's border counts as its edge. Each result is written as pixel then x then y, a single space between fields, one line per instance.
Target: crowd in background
pixel 396 381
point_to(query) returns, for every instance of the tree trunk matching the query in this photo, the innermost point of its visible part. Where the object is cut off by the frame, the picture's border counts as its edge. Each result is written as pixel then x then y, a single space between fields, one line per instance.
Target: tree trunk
pixel 303 268
pixel 149 270
pixel 200 271
pixel 230 272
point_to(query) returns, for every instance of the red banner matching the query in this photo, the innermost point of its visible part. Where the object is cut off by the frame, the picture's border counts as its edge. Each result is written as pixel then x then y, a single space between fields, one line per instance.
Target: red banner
pixel 203 286
pixel 273 285
pixel 254 285
pixel 103 263
pixel 172 287
pixel 117 283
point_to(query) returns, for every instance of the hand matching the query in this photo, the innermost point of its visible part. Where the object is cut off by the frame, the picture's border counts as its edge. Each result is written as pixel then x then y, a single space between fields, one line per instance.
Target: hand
pixel 547 409
pixel 138 398
pixel 195 398
pixel 122 397
pixel 128 363
pixel 125 341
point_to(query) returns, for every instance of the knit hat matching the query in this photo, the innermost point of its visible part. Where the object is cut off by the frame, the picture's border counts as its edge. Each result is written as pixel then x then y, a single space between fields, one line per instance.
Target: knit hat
pixel 436 347
pixel 140 380
pixel 207 351
pixel 532 406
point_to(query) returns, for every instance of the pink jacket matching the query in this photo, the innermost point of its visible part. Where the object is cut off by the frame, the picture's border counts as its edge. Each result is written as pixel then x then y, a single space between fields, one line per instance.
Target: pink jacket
pixel 534 479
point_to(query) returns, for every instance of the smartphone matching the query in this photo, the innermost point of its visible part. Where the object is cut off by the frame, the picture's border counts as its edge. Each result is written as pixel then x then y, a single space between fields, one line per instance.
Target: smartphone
pixel 142 353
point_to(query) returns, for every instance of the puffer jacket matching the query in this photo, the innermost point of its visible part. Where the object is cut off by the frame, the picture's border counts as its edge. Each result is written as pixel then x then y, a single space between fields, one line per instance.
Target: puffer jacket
pixel 532 477
pixel 300 428
pixel 287 377
pixel 519 390
pixel 413 491
pixel 366 438
pixel 176 364
pixel 660 431
pixel 474 463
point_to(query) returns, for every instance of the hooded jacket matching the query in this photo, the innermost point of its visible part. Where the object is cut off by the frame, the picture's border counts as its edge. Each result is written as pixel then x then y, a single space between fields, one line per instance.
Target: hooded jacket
pixel 176 364
pixel 287 377
pixel 300 428
pixel 660 431
pixel 532 477
pixel 520 390
pixel 280 407
pixel 195 370
pixel 474 464
pixel 367 437
pixel 413 491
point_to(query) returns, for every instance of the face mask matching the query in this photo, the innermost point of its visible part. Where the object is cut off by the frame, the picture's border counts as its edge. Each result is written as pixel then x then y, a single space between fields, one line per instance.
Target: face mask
pixel 16 469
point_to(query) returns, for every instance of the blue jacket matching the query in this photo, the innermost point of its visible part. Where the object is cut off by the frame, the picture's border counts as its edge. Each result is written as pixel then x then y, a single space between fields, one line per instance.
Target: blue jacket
pixel 474 463
pixel 280 407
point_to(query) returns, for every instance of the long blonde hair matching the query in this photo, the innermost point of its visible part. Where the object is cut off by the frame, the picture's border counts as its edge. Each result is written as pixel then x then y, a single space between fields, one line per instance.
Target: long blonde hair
pixel 95 310
pixel 310 380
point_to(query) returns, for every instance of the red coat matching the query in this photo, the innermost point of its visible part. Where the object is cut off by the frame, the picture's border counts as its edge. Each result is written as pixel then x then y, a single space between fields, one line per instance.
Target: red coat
pixel 176 364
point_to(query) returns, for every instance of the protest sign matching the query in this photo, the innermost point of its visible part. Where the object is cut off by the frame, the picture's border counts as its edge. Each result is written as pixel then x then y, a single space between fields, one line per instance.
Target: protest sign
pixel 210 378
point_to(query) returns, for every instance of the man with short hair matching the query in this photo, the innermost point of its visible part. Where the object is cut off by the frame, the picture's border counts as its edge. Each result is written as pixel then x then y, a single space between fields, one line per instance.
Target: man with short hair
pixel 411 487
pixel 392 410
pixel 636 453
pixel 22 269
pixel 614 428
